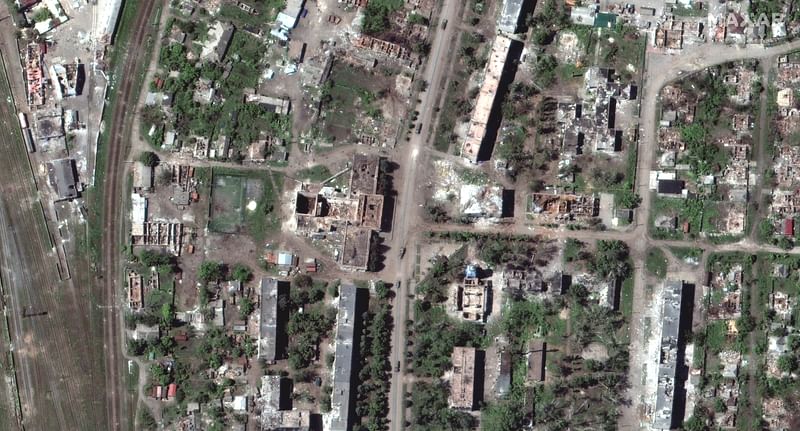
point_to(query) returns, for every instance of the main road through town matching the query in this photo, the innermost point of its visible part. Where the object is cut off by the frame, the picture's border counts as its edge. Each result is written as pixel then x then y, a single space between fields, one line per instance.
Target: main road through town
pixel 407 201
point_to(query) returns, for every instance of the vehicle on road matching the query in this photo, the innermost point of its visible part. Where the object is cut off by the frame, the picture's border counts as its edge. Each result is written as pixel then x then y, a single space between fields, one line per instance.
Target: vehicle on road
pixel 397 367
pixel 402 252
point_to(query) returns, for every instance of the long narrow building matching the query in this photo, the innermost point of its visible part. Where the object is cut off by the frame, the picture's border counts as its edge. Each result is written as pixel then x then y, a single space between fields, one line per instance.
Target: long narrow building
pixel 488 99
pixel 668 355
pixel 347 324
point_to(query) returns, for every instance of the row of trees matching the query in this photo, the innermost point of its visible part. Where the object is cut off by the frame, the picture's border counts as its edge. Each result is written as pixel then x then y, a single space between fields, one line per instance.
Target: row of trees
pixel 373 402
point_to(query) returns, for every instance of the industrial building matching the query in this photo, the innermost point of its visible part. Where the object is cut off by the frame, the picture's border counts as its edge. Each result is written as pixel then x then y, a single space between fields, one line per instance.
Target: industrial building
pixel 63 178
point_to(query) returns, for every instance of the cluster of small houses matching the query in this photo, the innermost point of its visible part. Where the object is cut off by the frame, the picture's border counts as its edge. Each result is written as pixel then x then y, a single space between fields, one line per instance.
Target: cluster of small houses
pixel 724 288
pixel 733 181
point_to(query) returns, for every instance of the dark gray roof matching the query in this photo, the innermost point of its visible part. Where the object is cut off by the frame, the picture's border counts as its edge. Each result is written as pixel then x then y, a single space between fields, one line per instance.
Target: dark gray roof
pixel 63 177
pixel 268 329
pixel 343 358
pixel 672 187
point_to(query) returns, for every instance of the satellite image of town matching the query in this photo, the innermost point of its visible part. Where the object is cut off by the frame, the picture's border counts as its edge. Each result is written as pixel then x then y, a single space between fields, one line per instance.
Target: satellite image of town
pixel 391 215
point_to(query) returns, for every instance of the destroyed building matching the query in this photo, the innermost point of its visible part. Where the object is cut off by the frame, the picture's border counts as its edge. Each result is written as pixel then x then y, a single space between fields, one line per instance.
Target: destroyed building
pixel 481 201
pixel 275 411
pixel 559 208
pixel 66 79
pixel 462 382
pixel 345 222
pixel 217 42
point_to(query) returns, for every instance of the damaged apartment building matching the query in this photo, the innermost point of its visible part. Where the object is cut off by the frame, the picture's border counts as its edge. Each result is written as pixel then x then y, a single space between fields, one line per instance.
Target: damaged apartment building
pixel 343 222
pixel 592 121
pixel 670 353
pixel 486 116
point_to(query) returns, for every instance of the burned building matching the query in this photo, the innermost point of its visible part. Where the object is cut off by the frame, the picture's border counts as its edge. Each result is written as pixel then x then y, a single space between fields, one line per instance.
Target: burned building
pixel 463 381
pixel 563 207
pixel 275 412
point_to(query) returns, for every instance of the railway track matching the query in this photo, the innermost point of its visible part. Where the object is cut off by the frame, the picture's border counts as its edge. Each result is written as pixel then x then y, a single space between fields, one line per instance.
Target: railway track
pixel 112 192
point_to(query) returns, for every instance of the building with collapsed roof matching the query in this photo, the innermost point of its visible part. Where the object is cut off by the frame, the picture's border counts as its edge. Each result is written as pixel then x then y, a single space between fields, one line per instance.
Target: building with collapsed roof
pixel 348 325
pixel 472 299
pixel 66 78
pixel 217 42
pixel 530 282
pixel 563 207
pixel 159 233
pixel 593 122
pixel 489 101
pixel 668 356
pixel 63 177
pixel 135 291
pixel 481 201
pixel 345 220
pixel 536 361
pixel 462 381
pixel 34 74
pixel 371 49
pixel 275 413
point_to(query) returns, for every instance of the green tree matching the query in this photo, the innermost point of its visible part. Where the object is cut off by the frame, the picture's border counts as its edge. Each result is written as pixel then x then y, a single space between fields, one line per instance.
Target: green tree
pixel 382 290
pixel 242 273
pixel 209 271
pixel 167 314
pixel 246 306
pixel 146 419
pixel 149 158
pixel 153 258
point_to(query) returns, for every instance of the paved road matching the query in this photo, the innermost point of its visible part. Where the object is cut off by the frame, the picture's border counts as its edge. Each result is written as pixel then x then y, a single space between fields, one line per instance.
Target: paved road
pixel 406 212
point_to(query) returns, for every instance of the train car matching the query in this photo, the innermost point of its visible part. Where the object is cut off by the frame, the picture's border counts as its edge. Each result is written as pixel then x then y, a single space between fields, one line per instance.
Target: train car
pixel 23 120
